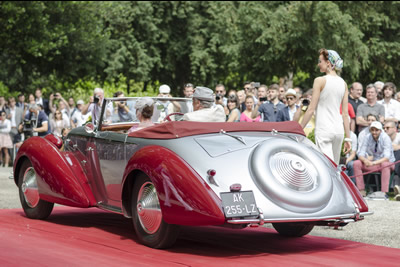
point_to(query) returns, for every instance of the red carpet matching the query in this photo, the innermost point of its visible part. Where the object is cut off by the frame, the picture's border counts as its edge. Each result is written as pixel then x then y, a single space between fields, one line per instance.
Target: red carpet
pixel 91 237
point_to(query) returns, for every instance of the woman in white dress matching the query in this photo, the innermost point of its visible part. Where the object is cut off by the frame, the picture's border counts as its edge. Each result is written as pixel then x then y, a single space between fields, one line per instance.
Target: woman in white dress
pixel 5 138
pixel 329 92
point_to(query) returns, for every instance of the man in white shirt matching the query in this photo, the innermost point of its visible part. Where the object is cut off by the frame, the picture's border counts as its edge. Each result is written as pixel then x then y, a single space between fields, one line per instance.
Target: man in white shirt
pixel 374 154
pixel 94 106
pixel 76 116
pixel 392 106
pixel 204 111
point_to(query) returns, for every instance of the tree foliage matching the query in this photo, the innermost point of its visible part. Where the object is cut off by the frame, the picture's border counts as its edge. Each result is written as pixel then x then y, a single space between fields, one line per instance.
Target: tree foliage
pixel 143 44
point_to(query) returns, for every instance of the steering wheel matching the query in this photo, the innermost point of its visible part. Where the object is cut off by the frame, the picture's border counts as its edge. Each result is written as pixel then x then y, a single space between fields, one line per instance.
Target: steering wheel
pixel 167 118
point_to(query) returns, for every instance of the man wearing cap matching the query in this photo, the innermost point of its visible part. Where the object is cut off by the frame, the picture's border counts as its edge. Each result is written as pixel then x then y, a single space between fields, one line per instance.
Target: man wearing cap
pixel 203 100
pixel 375 154
pixel 287 113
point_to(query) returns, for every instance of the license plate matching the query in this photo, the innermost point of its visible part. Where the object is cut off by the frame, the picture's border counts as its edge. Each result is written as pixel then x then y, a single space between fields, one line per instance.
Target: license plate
pixel 239 204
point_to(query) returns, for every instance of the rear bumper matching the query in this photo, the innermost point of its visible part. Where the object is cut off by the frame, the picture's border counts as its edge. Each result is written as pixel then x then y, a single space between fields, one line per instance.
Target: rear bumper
pixel 326 220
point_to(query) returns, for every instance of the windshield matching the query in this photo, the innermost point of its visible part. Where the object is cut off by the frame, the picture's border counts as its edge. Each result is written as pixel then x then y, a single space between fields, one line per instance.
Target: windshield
pixel 122 110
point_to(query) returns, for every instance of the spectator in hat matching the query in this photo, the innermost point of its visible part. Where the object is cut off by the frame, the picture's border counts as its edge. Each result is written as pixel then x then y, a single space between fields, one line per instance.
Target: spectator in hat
pixel 164 107
pixel 375 154
pixel 204 111
pixel 287 113
pixel 77 119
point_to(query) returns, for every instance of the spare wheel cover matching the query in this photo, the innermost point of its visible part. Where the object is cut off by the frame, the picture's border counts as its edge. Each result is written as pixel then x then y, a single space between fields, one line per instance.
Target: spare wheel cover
pixel 291 175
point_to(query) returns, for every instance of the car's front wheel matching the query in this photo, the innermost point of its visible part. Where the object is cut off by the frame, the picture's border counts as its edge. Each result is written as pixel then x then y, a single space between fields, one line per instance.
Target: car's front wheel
pixel 148 223
pixel 293 229
pixel 34 207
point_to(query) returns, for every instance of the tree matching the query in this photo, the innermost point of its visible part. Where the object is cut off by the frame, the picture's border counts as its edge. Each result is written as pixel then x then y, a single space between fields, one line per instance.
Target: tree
pixel 43 39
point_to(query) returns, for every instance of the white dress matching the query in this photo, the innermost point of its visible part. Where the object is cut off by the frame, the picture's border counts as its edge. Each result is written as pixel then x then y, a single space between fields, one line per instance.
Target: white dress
pixel 5 138
pixel 329 130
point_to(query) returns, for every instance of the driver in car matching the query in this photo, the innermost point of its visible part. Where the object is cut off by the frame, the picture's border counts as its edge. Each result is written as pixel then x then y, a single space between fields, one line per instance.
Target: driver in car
pixel 204 108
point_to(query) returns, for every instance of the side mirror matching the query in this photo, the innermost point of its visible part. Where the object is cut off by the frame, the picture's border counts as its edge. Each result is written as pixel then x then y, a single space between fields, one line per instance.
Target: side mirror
pixel 89 127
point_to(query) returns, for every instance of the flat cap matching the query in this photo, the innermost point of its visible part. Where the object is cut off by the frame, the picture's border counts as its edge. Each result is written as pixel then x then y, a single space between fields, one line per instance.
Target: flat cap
pixel 203 93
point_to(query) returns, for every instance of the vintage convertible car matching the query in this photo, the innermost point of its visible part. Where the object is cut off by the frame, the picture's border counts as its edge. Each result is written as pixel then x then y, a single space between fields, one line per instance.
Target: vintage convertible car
pixel 187 173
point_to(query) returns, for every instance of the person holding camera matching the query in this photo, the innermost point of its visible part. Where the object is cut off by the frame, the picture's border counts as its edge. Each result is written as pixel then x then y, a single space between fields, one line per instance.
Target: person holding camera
pixel 63 107
pixel 36 122
pixel 94 106
pixel 122 109
pixel 220 93
pixel 329 92
pixel 303 103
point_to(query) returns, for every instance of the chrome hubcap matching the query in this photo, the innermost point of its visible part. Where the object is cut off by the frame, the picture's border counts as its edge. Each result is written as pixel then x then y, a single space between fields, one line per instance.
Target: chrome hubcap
pixel 29 188
pixel 148 208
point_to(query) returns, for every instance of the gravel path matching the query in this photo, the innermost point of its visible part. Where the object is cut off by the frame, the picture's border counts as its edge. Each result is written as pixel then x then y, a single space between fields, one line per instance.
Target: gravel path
pixel 382 228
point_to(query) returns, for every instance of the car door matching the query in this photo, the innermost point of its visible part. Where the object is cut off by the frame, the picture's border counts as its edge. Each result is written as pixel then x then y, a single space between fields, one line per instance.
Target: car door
pixel 108 161
pixel 82 145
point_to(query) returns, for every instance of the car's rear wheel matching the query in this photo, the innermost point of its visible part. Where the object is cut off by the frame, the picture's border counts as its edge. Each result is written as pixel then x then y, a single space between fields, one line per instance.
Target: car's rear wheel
pixel 293 229
pixel 149 225
pixel 34 207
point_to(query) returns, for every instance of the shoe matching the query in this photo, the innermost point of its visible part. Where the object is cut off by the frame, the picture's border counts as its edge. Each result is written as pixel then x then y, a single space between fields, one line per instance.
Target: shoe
pixel 363 192
pixel 397 197
pixel 396 190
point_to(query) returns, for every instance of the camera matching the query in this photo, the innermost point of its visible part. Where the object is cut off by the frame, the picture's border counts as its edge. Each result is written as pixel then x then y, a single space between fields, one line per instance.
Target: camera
pixel 28 126
pixel 218 97
pixel 256 84
pixel 96 99
pixel 262 99
pixel 305 102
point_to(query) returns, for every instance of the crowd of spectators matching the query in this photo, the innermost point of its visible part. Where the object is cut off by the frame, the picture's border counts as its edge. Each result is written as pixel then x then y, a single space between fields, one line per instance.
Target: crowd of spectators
pixel 255 102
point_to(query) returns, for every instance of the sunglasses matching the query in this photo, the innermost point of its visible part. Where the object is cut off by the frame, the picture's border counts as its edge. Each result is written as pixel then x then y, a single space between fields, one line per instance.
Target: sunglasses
pixel 290 98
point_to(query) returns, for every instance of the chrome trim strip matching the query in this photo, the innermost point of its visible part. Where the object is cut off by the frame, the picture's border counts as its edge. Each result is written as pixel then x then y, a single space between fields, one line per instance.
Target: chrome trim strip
pixel 326 218
pixel 109 208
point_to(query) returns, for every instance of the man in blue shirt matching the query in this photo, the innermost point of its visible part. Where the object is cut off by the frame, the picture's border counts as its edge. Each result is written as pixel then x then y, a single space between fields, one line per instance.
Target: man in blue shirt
pixel 41 126
pixel 269 109
pixel 375 152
